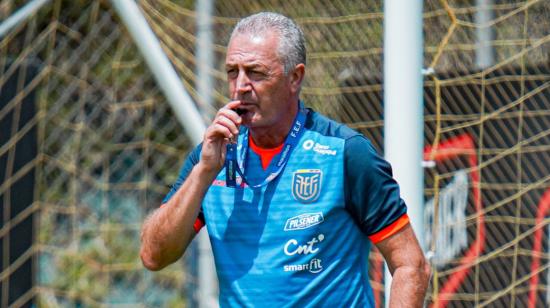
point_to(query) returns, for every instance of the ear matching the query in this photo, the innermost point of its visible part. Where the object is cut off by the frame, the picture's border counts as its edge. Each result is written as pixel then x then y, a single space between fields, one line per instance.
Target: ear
pixel 296 77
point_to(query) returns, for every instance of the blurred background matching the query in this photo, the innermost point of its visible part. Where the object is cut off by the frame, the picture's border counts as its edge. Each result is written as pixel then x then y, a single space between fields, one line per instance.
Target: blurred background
pixel 89 145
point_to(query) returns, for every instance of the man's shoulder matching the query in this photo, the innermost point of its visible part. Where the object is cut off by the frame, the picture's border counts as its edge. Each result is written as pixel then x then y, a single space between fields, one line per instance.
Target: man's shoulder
pixel 356 144
pixel 329 127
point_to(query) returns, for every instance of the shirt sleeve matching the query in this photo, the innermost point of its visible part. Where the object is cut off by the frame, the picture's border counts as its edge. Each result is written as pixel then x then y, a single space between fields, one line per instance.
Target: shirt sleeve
pixel 192 159
pixel 372 194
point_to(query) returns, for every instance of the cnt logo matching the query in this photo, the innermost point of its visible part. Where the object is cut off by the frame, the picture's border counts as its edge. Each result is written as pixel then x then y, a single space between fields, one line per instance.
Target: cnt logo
pixel 303 221
pixel 292 247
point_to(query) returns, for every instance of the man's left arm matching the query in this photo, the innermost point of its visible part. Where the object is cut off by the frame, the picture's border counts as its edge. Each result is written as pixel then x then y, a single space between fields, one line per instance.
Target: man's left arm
pixel 374 202
pixel 409 269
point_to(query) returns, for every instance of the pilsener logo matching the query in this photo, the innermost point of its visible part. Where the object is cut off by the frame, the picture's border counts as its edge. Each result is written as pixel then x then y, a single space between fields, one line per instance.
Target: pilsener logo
pixel 304 221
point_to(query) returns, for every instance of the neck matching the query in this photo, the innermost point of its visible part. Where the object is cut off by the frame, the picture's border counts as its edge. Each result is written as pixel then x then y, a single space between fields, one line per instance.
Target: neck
pixel 273 136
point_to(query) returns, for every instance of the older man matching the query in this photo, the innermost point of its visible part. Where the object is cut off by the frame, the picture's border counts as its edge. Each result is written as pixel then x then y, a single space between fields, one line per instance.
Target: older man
pixel 291 199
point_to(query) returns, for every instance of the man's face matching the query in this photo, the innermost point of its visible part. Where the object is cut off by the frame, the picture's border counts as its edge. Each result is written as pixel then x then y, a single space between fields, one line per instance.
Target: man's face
pixel 256 78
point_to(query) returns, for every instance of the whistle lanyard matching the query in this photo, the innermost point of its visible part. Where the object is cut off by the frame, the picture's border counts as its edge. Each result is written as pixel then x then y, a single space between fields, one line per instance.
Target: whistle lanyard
pixel 236 154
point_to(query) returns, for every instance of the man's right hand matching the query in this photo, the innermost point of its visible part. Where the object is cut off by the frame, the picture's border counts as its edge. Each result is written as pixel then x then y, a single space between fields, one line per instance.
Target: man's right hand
pixel 168 231
pixel 224 128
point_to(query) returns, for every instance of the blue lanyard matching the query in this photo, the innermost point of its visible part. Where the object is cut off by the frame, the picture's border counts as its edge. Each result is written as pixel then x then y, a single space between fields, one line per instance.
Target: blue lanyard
pixel 236 154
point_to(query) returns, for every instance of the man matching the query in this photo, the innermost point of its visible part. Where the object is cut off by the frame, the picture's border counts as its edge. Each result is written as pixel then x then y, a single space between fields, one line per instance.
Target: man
pixel 291 199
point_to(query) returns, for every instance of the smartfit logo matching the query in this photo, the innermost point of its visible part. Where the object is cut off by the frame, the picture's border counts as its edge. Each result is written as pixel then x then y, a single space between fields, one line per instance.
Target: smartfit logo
pixel 314 266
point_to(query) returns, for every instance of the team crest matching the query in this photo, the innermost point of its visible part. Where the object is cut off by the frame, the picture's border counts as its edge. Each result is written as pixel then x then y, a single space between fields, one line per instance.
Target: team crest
pixel 306 185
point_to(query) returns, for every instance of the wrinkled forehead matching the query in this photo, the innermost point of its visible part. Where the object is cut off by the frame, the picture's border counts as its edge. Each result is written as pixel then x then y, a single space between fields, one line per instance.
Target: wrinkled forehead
pixel 253 39
pixel 244 46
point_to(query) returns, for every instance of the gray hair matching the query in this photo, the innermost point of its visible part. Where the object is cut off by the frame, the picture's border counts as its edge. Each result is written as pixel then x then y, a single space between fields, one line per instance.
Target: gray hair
pixel 291 49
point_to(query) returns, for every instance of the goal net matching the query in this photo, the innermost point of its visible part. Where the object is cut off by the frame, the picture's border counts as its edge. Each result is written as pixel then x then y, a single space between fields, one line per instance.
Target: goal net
pixel 89 145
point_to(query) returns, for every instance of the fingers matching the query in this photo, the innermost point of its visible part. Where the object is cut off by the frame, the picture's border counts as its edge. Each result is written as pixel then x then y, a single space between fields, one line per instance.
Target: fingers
pixel 229 111
pixel 233 104
pixel 222 131
pixel 226 123
pixel 227 117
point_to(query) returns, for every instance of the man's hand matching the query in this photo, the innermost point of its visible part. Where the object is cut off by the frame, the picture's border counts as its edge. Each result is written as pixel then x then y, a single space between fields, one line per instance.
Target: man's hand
pixel 410 271
pixel 167 232
pixel 223 129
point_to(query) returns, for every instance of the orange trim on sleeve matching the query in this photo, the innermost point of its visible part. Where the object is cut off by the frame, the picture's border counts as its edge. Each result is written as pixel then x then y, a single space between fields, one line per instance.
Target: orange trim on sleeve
pixel 390 229
pixel 197 226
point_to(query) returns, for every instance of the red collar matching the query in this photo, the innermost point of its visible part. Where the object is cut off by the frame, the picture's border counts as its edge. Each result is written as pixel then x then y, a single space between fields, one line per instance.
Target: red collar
pixel 266 155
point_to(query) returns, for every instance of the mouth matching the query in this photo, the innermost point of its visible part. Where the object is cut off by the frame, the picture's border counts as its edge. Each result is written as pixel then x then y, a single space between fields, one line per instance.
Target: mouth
pixel 241 111
pixel 244 108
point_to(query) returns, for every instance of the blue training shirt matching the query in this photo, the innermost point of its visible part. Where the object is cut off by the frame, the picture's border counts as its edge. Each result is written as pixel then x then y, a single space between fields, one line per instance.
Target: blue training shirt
pixel 304 238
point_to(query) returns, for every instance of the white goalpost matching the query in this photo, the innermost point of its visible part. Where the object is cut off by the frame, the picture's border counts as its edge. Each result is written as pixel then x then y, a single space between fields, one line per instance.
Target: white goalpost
pixel 188 116
pixel 403 107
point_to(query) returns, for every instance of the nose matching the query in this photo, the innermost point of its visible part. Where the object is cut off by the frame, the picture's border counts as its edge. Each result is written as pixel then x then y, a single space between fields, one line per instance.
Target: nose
pixel 243 83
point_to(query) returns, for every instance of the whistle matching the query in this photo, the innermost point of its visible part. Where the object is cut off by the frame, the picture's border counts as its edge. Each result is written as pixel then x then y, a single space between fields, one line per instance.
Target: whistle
pixel 239 111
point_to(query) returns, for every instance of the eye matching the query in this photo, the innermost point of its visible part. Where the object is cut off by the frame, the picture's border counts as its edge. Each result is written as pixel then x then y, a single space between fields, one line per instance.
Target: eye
pixel 232 73
pixel 256 74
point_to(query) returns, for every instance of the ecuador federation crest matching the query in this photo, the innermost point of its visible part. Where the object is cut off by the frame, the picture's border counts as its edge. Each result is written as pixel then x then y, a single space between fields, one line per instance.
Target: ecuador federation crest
pixel 306 185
